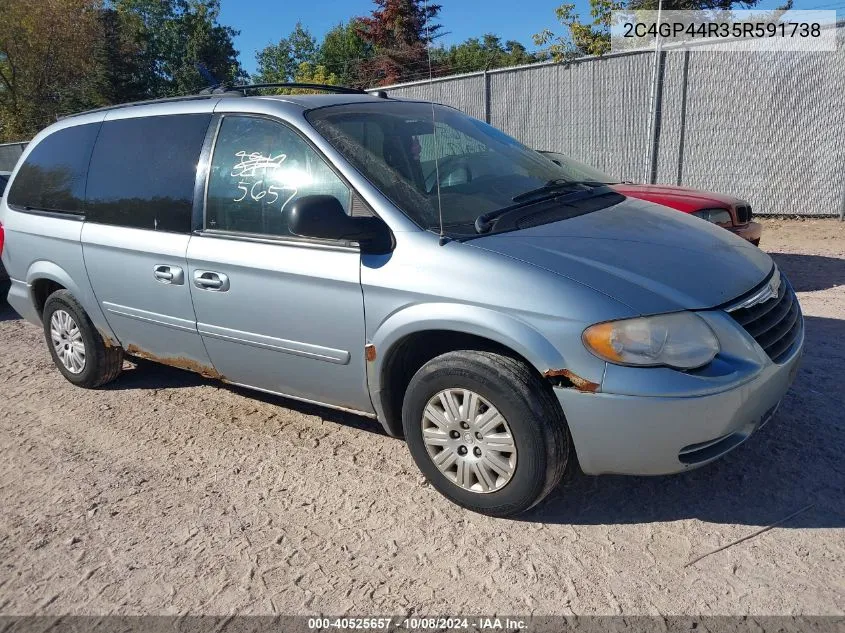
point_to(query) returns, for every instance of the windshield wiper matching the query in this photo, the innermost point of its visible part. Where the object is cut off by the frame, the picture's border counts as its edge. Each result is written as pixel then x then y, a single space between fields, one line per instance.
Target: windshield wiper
pixel 485 222
pixel 552 186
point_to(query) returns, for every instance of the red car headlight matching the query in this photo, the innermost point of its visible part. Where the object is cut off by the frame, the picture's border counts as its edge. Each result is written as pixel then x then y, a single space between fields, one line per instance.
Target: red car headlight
pixel 721 217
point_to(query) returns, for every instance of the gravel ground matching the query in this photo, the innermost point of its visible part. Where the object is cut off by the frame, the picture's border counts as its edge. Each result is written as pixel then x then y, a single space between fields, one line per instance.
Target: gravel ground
pixel 166 493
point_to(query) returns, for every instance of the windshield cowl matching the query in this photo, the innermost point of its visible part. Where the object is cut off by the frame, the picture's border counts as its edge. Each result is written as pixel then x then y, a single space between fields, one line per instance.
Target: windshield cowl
pixel 556 195
pixel 552 209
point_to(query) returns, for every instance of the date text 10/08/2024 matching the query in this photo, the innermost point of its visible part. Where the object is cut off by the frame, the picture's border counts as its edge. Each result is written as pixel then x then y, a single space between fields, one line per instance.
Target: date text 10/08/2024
pixel 417 623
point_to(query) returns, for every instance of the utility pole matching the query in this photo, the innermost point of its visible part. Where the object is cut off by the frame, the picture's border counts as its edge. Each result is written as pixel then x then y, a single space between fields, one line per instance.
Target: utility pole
pixel 650 157
pixel 487 88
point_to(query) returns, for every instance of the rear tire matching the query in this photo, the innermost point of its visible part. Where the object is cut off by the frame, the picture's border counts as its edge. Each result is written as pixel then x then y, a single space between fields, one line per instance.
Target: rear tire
pixel 439 415
pixel 77 348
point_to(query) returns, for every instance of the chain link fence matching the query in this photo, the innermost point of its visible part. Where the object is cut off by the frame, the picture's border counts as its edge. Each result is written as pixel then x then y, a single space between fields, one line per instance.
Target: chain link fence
pixel 768 127
pixel 9 154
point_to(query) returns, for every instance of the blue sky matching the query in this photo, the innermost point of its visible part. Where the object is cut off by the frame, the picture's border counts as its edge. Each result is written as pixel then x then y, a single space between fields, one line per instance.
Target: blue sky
pixel 262 22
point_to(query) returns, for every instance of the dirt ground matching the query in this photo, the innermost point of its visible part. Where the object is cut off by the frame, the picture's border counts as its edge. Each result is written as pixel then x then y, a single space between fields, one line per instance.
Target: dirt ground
pixel 166 493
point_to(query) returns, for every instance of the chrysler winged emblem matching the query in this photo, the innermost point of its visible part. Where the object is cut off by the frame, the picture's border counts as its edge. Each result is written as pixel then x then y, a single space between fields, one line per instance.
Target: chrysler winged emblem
pixel 774 287
pixel 770 291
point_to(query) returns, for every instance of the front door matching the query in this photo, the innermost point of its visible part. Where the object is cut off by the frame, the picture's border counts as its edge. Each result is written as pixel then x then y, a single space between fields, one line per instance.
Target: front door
pixel 276 312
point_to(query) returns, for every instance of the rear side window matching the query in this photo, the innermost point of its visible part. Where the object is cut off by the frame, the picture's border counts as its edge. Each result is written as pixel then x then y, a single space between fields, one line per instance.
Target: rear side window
pixel 143 172
pixel 260 168
pixel 52 178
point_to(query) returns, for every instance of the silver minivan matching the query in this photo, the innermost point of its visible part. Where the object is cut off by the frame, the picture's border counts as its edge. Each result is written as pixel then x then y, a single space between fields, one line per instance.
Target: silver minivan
pixel 407 262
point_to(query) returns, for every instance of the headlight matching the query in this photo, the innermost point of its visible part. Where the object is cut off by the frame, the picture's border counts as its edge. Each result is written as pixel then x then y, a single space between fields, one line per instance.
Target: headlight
pixel 681 340
pixel 716 216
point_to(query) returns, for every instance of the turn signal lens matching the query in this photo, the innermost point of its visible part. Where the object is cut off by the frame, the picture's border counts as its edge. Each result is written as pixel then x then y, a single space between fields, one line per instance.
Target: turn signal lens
pixel 599 339
pixel 681 340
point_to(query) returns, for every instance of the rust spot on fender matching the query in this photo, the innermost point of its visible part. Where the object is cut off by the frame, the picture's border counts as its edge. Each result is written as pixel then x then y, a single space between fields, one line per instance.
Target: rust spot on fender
pixel 370 352
pixel 107 340
pixel 575 381
pixel 180 362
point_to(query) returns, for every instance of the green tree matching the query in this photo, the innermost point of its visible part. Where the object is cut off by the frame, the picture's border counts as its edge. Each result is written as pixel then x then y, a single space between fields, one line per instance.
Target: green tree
pixel 203 43
pixel 150 23
pixel 516 55
pixel 692 5
pixel 580 38
pixel 278 63
pixel 479 54
pixel 592 37
pixel 303 46
pixel 306 73
pixel 47 62
pixel 179 37
pixel 120 50
pixel 62 56
pixel 275 63
pixel 343 51
pixel 310 73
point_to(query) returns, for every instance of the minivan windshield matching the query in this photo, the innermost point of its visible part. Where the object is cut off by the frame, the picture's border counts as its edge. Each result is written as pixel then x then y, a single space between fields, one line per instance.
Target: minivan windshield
pixel 482 171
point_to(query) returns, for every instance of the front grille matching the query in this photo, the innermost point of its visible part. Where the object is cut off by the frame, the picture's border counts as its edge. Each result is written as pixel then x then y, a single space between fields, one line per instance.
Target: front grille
pixel 743 214
pixel 775 324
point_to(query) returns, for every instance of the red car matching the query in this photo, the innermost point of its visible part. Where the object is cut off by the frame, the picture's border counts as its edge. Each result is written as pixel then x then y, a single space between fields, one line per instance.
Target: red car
pixel 726 211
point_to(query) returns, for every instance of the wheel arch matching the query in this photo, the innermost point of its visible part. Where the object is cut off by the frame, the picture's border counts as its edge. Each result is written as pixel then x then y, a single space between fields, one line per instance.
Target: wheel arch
pixel 45 273
pixel 410 338
pixel 43 278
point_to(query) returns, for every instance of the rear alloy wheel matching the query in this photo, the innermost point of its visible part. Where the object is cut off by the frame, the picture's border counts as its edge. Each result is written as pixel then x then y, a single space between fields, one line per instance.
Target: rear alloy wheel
pixel 67 341
pixel 77 348
pixel 486 431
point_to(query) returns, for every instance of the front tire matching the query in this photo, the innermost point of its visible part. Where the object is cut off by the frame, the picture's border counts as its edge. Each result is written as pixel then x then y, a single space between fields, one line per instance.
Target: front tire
pixel 486 431
pixel 76 346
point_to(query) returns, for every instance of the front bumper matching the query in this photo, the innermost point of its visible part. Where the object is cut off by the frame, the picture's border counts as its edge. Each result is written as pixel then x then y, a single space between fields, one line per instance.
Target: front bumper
pixel 647 435
pixel 750 232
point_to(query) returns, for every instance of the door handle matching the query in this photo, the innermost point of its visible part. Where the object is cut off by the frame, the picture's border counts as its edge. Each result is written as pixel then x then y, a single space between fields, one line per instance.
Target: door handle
pixel 165 274
pixel 210 280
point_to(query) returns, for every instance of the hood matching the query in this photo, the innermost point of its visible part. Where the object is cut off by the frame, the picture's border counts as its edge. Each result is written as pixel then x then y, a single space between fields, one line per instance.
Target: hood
pixel 649 257
pixel 680 198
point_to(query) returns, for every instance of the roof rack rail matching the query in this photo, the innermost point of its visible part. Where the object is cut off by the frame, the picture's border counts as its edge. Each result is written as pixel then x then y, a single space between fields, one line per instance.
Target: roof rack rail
pixel 226 89
pixel 148 102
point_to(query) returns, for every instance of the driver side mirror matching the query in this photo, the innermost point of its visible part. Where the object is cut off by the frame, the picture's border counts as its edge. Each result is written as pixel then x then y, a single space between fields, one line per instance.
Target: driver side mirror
pixel 322 217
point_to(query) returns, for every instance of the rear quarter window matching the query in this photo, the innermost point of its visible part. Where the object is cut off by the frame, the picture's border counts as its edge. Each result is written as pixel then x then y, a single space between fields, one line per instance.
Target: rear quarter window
pixel 143 171
pixel 52 177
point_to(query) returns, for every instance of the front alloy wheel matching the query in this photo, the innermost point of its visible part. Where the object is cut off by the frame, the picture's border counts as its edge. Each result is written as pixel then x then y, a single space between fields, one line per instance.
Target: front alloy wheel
pixel 468 440
pixel 486 431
